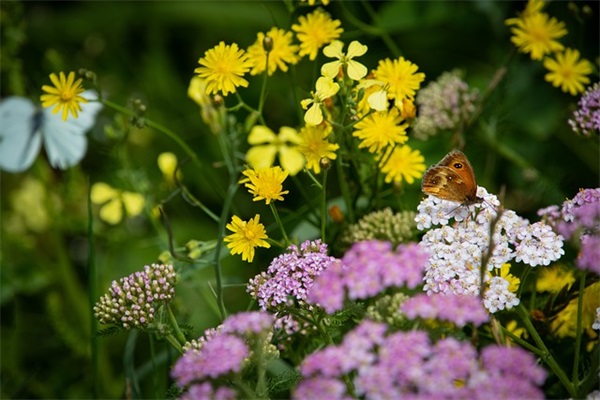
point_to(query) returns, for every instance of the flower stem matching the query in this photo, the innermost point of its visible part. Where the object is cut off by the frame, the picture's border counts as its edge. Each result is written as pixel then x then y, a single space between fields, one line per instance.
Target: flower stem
pixel 231 167
pixel 175 326
pixel 544 352
pixel 324 205
pixel 158 127
pixel 276 215
pixel 344 188
pixel 575 376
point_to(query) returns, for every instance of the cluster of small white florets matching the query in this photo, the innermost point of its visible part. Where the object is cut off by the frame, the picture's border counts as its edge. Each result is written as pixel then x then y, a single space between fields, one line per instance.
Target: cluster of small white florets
pixel 458 250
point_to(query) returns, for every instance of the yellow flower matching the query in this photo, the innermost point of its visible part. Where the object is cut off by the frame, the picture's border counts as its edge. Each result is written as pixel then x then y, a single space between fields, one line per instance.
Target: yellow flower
pixel 381 129
pixel 514 328
pixel 536 34
pixel 355 70
pixel 223 67
pixel 265 184
pixel 532 7
pixel 282 52
pixel 246 236
pixel 325 88
pixel 210 115
pixel 554 278
pixel 113 201
pixel 167 163
pixel 313 2
pixel 403 163
pixel 401 76
pixel 513 281
pixel 315 146
pixel 30 203
pixel 266 145
pixel 565 323
pixel 64 94
pixel 375 97
pixel 568 72
pixel 314 31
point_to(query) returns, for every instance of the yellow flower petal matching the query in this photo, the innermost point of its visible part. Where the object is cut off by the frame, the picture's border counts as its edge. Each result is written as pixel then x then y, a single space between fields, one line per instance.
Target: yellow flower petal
pixel 314 115
pixel 112 212
pixel 261 134
pixel 133 202
pixel 101 193
pixel 291 160
pixel 261 156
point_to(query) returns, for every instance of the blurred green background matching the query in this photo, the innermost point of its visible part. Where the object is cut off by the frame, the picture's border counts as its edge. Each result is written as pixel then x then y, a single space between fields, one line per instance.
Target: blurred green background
pixel 522 145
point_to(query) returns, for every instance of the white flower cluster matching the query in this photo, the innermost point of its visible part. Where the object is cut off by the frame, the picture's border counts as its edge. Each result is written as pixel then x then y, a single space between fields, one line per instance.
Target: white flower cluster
pixel 458 250
pixel 596 324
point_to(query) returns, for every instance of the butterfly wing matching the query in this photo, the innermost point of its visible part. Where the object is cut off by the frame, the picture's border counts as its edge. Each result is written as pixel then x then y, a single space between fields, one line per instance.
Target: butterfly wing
pixel 452 179
pixel 457 160
pixel 65 141
pixel 19 134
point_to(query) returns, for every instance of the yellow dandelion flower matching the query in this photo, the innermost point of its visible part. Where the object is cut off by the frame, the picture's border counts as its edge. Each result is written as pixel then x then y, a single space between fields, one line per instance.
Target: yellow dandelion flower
pixel 554 278
pixel 223 68
pixel 112 202
pixel 403 163
pixel 265 184
pixel 536 35
pixel 568 72
pixel 282 52
pixel 315 146
pixel 266 145
pixel 513 281
pixel 532 7
pixel 211 115
pixel 355 70
pixel 325 88
pixel 65 94
pixel 381 129
pixel 246 236
pixel 314 31
pixel 400 76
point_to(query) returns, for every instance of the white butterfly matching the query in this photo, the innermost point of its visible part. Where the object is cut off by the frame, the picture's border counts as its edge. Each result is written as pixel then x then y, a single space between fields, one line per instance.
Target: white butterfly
pixel 23 127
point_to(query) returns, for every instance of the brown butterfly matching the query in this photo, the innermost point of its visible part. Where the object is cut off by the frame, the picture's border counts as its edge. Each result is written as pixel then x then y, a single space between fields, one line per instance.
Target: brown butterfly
pixel 452 179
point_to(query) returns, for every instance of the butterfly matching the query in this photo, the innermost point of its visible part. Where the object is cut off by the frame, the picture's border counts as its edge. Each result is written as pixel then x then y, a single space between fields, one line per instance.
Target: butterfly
pixel 23 128
pixel 452 179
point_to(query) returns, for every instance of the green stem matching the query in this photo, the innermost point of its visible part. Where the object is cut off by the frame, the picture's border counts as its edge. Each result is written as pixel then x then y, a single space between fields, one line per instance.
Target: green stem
pixel 575 376
pixel 263 90
pixel 157 127
pixel 175 326
pixel 259 354
pixel 324 206
pixel 545 353
pixel 154 369
pixel 174 342
pixel 276 215
pixel 92 293
pixel 344 188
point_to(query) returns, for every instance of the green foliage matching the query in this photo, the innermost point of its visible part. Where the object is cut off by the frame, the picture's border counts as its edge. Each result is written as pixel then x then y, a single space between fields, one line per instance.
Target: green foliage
pixel 144 54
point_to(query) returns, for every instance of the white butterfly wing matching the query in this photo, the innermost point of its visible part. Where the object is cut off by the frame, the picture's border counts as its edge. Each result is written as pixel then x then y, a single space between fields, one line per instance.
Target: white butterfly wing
pixel 65 141
pixel 19 133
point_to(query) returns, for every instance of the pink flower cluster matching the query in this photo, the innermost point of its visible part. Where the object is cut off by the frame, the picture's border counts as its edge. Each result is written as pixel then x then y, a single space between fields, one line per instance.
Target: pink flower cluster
pixel 368 268
pixel 220 352
pixel 408 365
pixel 132 301
pixel 579 218
pixel 458 309
pixel 290 275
